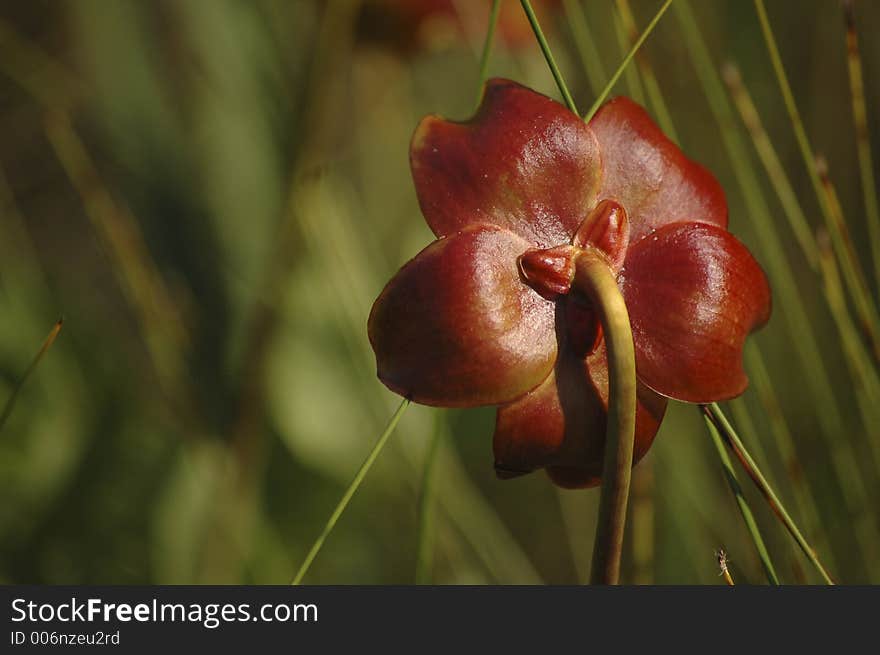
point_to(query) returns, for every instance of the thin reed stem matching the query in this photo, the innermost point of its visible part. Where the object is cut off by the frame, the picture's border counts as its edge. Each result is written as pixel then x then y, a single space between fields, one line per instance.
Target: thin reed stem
pixel 853 276
pixel 742 504
pixel 822 395
pixel 652 87
pixel 717 417
pixel 163 329
pixel 852 273
pixel 10 402
pixel 44 78
pixel 585 44
pixel 548 55
pixel 631 73
pixel 863 137
pixel 425 542
pixel 866 380
pixel 791 206
pixel 487 46
pixel 805 495
pixel 616 76
pixel 350 491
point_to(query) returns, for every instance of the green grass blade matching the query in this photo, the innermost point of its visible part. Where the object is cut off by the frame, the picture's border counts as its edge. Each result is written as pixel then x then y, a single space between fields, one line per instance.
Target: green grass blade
pixel 867 382
pixel 10 402
pixel 638 44
pixel 487 47
pixel 806 497
pixel 716 416
pixel 742 504
pixel 853 275
pixel 863 137
pixel 829 417
pixel 548 55
pixel 652 87
pixel 791 206
pixel 350 491
pixel 631 73
pixel 424 541
pixel 585 44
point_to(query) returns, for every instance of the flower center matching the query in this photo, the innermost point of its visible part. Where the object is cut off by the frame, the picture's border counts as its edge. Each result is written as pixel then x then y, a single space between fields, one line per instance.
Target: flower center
pixel 550 271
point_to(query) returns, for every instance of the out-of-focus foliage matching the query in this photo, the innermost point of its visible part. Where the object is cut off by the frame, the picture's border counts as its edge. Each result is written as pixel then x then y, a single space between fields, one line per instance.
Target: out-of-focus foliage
pixel 212 193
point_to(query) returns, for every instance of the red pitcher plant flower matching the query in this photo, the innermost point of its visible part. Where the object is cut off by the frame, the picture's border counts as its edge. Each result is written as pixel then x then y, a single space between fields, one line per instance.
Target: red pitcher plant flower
pixel 488 313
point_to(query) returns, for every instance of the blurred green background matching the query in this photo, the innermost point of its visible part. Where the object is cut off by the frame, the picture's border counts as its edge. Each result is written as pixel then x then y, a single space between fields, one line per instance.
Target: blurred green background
pixel 213 192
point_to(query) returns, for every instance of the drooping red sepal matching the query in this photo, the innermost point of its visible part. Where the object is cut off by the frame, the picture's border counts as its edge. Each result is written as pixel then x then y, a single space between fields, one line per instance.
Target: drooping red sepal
pixel 456 327
pixel 561 425
pixel 523 162
pixel 693 293
pixel 647 173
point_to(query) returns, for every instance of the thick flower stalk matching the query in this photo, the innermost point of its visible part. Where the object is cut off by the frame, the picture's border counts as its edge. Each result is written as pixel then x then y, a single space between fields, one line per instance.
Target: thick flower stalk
pixel 522 198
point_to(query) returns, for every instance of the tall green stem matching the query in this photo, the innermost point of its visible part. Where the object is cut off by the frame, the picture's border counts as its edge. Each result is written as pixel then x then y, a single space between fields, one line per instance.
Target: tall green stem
pixel 742 504
pixel 349 493
pixel 548 55
pixel 632 53
pixel 594 278
pixel 584 43
pixel 424 544
pixel 487 46
pixel 850 266
pixel 863 138
pixel 713 412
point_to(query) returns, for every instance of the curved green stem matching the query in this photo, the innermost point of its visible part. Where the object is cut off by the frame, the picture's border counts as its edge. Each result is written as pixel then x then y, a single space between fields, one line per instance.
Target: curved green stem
pixel 349 493
pixel 594 278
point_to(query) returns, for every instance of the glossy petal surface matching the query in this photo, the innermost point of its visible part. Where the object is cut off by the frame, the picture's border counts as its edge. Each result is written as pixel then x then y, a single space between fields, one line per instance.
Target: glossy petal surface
pixel 648 174
pixel 457 327
pixel 561 424
pixel 524 162
pixel 693 292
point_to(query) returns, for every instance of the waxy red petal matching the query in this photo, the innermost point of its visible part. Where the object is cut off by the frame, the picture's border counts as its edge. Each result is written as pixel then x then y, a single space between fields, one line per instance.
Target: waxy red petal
pixel 456 327
pixel 561 424
pixel 523 162
pixel 693 293
pixel 649 175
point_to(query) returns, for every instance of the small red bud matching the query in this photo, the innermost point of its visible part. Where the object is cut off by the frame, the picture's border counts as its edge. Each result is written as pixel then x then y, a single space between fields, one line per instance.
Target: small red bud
pixel 607 229
pixel 550 271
